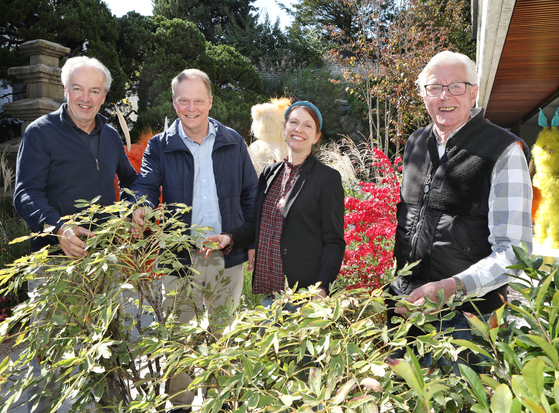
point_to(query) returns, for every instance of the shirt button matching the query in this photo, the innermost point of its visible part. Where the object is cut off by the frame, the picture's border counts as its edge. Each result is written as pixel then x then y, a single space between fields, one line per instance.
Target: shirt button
pixel 284 251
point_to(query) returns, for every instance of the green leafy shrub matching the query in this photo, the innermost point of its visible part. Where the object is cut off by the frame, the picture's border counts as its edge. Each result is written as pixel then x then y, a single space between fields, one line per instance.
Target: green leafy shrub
pixel 520 344
pixel 329 355
pixel 92 339
pixel 11 227
pixel 90 327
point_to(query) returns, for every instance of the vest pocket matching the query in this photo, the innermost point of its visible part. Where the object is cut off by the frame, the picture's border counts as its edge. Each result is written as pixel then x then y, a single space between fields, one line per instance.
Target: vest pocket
pixel 471 236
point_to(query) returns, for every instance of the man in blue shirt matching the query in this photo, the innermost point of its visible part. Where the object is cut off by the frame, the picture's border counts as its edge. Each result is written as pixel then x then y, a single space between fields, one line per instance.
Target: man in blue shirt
pixel 206 165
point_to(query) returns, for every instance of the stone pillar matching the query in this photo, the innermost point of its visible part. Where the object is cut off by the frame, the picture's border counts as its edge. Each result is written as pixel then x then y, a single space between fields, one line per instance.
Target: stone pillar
pixel 45 92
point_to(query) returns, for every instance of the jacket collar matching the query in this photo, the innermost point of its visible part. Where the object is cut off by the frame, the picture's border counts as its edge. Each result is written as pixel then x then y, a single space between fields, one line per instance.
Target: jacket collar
pixel 174 142
pixel 100 120
pixel 276 169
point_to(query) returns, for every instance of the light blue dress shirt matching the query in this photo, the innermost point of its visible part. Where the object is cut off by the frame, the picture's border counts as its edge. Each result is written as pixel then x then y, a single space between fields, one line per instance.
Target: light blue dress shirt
pixel 205 208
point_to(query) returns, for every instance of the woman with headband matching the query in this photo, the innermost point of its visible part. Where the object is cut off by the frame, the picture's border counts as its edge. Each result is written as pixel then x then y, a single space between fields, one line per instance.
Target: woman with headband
pixel 297 221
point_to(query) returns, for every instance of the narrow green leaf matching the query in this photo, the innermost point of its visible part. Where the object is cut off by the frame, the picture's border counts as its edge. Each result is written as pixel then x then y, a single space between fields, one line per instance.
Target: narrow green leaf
pixel 470 345
pixel 541 294
pixel 501 401
pixel 434 388
pixel 336 313
pixel 428 339
pixel 533 377
pixel 359 401
pixel 354 350
pixel 265 400
pixel 58 320
pixel 99 390
pixel 417 368
pixel 553 311
pixel 489 381
pixel 493 332
pixel 406 371
pixel 319 323
pixel 344 390
pixel 476 384
pixel 510 355
pixel 522 254
pixel 315 375
pixel 478 326
pixel 548 348
pixel 534 407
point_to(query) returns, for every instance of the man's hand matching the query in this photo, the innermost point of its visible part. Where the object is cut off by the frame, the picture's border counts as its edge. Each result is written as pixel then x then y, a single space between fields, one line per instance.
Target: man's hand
pixel 429 290
pixel 320 294
pixel 214 243
pixel 138 219
pixel 69 241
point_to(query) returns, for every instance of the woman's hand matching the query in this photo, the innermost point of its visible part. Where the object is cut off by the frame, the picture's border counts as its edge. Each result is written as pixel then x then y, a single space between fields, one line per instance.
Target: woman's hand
pixel 214 243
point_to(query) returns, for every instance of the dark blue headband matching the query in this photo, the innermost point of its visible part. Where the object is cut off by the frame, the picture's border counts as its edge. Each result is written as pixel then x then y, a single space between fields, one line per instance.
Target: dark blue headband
pixel 309 105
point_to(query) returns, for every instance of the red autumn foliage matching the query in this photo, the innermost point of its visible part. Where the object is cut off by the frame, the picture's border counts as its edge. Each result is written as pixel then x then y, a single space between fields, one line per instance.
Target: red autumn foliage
pixel 135 154
pixel 370 225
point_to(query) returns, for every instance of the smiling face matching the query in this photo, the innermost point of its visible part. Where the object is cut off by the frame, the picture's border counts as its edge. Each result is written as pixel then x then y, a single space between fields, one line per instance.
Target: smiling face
pixel 300 133
pixel 447 111
pixel 85 95
pixel 192 104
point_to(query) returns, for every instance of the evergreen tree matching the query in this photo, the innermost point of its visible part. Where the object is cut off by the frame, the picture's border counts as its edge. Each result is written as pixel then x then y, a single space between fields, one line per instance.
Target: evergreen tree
pixel 268 47
pixel 155 49
pixel 210 16
pixel 87 27
pixel 331 20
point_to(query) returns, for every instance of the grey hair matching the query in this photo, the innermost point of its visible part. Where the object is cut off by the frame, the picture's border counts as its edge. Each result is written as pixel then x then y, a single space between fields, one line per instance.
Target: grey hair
pixel 447 58
pixel 192 74
pixel 83 61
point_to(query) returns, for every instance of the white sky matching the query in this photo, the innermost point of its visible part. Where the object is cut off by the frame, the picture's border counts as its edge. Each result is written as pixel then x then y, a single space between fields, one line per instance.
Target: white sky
pixel 144 7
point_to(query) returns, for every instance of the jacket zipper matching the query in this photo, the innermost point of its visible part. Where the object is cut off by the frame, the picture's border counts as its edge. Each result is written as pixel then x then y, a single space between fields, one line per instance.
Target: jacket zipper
pixel 422 209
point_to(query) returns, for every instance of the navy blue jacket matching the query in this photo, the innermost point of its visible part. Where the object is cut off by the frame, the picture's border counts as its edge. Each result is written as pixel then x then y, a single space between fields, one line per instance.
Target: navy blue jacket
pixel 55 167
pixel 312 241
pixel 169 165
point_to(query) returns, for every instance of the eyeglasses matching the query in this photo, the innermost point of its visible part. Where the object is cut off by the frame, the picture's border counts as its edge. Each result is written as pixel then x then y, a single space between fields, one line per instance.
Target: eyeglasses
pixel 455 89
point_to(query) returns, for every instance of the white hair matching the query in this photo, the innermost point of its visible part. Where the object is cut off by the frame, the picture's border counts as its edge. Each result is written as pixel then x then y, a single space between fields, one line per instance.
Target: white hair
pixel 447 58
pixel 83 61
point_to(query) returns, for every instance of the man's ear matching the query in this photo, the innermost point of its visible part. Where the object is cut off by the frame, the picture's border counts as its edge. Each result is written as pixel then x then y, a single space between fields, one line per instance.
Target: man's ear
pixel 474 92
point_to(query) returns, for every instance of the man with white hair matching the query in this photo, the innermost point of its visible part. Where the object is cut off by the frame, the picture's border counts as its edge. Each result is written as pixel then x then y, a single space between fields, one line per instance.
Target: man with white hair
pixel 70 154
pixel 465 199
pixel 64 156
